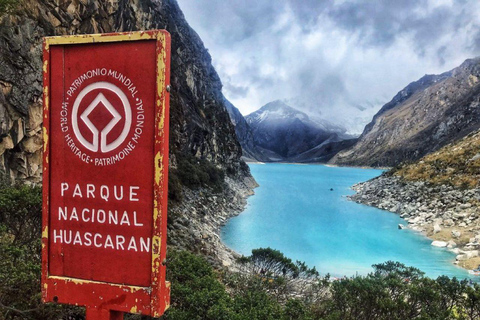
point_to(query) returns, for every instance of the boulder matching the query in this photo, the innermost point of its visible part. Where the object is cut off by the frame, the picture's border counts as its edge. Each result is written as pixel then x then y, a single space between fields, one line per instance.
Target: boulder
pixel 440 244
pixel 465 205
pixel 448 223
pixel 456 234
pixel 471 254
pixel 461 257
pixel 455 250
pixel 436 228
pixel 418 228
pixel 451 244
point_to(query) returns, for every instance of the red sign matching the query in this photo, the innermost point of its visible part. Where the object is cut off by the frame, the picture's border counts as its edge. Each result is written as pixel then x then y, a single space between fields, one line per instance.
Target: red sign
pixel 105 172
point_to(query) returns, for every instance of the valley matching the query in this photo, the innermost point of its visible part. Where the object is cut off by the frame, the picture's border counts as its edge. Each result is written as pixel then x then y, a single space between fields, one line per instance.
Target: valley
pixel 267 154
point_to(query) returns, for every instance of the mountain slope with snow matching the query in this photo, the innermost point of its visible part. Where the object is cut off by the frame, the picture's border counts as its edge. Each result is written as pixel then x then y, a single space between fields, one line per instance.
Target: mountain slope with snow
pixel 289 133
pixel 250 151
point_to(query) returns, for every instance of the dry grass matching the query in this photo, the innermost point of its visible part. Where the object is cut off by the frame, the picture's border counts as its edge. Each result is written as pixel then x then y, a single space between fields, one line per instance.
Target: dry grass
pixel 470 264
pixel 453 165
pixel 446 234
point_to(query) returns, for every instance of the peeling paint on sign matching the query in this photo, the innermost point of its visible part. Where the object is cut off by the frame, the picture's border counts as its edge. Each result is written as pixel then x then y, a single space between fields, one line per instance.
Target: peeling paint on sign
pixel 104 211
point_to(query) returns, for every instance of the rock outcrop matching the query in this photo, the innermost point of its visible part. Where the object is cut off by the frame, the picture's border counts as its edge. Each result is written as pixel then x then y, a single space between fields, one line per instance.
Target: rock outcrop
pixel 199 124
pixel 250 151
pixel 423 117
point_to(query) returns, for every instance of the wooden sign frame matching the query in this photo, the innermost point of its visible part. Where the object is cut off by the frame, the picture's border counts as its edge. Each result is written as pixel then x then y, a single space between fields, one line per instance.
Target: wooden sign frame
pixel 110 300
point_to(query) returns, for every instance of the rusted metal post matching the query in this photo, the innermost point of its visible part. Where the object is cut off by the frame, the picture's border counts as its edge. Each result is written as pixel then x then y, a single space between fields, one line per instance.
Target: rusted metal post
pixel 103 314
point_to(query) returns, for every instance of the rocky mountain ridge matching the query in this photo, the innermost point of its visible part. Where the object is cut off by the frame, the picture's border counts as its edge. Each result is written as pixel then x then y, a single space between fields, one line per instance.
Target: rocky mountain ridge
pixel 282 133
pixel 423 117
pixel 199 124
pixel 250 151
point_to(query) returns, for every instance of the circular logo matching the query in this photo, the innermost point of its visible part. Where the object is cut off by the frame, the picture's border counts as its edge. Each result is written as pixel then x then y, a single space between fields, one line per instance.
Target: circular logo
pixel 107 118
pixel 99 136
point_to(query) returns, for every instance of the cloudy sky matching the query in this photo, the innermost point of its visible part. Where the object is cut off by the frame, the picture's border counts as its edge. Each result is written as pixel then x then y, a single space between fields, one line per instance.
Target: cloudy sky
pixel 340 60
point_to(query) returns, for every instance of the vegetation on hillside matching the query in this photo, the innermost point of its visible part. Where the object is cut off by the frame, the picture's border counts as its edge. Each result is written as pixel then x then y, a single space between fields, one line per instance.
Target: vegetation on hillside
pixel 20 256
pixel 194 173
pixel 456 164
pixel 7 6
pixel 270 286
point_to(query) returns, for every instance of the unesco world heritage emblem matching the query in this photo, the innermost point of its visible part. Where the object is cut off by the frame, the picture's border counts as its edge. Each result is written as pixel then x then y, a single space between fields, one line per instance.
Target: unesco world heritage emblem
pixel 100 124
pixel 99 139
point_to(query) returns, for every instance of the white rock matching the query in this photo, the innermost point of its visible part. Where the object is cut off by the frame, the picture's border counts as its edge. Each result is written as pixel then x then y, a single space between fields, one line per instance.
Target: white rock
pixel 456 250
pixel 415 220
pixel 448 223
pixel 451 244
pixel 461 257
pixel 418 228
pixel 460 215
pixel 471 254
pixel 436 228
pixel 440 244
pixel 465 205
pixel 456 234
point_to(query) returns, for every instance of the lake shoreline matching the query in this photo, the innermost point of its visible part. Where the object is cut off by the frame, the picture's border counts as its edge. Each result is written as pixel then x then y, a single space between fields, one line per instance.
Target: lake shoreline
pixel 200 217
pixel 434 261
pixel 446 215
pixel 334 234
pixel 326 164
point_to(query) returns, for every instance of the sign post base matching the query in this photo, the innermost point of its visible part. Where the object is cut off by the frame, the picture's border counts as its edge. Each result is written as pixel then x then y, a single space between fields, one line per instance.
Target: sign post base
pixel 103 314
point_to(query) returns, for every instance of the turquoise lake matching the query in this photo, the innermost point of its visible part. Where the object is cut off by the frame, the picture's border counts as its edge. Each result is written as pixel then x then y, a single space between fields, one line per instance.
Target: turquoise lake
pixel 295 211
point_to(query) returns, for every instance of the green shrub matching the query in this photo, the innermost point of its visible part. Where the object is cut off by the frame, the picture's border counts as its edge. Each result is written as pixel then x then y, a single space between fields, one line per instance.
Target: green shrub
pixel 196 291
pixel 174 187
pixel 255 304
pixel 21 212
pixel 7 6
pixel 273 263
pixel 296 309
pixel 195 173
pixel 20 252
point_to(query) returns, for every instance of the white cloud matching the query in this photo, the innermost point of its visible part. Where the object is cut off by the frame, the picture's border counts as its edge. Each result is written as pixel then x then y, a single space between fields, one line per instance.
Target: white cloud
pixel 342 61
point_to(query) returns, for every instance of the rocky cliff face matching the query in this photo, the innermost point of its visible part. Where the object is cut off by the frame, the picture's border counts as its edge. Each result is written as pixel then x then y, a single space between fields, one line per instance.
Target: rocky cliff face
pixel 199 123
pixel 423 117
pixel 199 126
pixel 250 151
